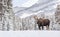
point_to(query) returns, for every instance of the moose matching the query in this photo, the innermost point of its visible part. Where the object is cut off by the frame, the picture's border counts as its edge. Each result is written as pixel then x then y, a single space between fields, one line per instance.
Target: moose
pixel 42 22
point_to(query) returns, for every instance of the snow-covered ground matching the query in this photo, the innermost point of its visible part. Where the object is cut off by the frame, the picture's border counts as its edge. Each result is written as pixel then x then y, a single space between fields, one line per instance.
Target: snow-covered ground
pixel 30 34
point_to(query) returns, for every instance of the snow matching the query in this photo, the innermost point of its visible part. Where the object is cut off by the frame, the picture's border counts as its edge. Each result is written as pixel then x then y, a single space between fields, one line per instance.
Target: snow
pixel 29 3
pixel 30 34
pixel 24 15
pixel 58 2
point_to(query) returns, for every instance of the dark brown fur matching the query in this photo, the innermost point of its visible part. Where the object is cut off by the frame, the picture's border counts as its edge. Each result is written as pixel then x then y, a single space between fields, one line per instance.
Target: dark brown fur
pixel 43 22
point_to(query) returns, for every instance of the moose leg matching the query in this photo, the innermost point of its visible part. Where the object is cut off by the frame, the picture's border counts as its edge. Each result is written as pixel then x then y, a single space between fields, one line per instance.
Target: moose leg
pixel 42 28
pixel 39 27
pixel 47 27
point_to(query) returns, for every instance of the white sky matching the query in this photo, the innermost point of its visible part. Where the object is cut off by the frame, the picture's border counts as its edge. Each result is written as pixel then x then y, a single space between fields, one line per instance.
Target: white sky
pixel 23 3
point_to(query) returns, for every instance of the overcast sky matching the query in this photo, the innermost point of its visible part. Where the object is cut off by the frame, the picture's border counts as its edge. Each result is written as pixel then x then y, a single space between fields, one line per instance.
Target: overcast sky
pixel 23 3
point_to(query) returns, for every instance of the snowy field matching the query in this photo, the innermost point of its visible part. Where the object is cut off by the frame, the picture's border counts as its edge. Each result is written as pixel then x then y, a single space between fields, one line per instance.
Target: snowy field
pixel 30 34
